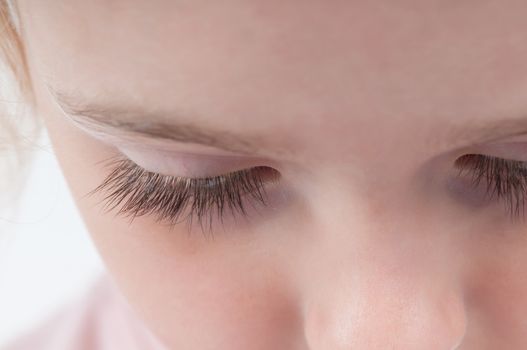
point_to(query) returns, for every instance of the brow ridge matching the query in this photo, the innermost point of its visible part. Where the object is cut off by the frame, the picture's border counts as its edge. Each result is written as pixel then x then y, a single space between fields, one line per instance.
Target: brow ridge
pixel 151 125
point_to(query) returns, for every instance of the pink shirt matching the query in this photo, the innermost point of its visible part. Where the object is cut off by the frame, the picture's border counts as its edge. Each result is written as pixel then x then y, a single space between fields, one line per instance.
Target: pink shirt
pixel 101 320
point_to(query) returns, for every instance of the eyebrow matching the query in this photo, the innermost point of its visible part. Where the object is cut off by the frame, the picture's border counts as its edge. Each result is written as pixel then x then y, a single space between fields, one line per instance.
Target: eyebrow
pixel 151 125
pixel 478 131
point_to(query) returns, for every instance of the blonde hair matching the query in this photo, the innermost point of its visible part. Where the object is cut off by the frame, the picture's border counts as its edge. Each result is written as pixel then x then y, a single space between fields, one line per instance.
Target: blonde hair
pixel 18 128
pixel 12 50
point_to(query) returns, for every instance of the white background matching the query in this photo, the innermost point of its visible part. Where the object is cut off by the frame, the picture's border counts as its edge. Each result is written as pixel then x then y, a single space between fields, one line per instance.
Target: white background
pixel 46 257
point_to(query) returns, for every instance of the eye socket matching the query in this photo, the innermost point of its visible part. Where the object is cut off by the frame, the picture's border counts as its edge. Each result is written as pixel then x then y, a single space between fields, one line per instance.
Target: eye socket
pixel 173 199
pixel 505 180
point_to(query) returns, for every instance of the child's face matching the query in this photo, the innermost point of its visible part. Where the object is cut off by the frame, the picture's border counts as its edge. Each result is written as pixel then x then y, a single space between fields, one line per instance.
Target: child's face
pixel 369 239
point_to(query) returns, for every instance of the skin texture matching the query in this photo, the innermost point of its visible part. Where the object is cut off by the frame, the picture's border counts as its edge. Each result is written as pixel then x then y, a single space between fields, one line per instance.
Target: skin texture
pixel 367 242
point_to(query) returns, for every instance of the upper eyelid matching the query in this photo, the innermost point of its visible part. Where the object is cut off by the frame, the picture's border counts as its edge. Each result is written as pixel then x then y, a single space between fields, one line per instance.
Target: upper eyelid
pixel 189 163
pixel 120 159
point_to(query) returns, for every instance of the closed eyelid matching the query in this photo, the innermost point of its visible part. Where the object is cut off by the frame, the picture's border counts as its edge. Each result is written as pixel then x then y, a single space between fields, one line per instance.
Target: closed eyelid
pixel 138 192
pixel 189 164
pixel 503 179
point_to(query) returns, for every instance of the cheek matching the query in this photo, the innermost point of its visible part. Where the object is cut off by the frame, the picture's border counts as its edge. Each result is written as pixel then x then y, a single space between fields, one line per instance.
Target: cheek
pixel 196 296
pixel 497 288
pixel 199 302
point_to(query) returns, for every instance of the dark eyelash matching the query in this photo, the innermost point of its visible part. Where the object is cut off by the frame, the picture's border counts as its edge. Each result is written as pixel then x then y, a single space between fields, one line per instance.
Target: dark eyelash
pixel 505 179
pixel 139 192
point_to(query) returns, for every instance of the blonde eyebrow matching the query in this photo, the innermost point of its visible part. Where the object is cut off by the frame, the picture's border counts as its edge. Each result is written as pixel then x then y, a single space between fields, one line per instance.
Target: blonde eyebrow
pixel 112 119
pixel 476 131
pixel 102 118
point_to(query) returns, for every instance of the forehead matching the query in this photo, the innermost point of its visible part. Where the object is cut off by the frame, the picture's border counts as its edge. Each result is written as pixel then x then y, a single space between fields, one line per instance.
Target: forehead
pixel 381 70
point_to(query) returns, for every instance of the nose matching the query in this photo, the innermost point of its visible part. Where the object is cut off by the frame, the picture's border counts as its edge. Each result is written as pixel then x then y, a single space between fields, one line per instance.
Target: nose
pixel 384 312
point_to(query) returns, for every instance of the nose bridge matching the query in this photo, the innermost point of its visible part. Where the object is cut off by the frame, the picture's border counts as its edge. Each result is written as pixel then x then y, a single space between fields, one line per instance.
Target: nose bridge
pixel 381 284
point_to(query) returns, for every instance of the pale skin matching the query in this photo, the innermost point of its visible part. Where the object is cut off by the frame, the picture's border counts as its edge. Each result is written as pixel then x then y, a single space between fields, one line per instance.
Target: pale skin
pixel 367 241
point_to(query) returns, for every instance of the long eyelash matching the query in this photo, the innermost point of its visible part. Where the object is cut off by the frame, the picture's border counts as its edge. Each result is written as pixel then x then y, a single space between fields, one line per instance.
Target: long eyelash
pixel 505 179
pixel 140 192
